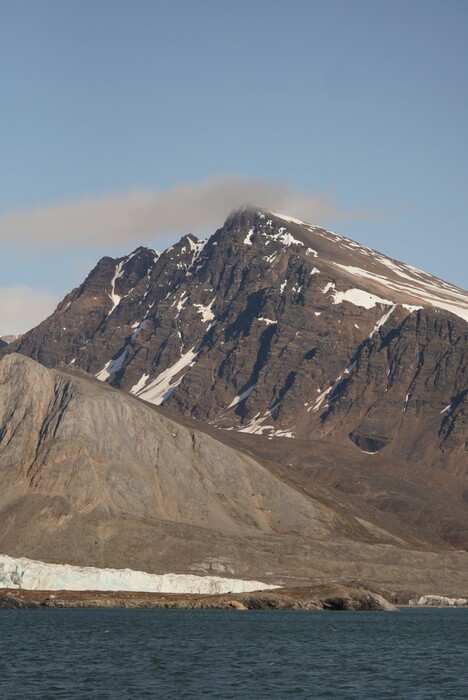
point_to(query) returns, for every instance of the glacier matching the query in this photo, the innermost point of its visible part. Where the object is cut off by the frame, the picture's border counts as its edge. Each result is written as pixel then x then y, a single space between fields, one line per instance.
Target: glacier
pixel 37 575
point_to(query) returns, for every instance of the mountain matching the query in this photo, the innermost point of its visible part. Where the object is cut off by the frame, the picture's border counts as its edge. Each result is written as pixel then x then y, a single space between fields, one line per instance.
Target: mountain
pixel 6 339
pixel 92 476
pixel 346 368
pixel 77 458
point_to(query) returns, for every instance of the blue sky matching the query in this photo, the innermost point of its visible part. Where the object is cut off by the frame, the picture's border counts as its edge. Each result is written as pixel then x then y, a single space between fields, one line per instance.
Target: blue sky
pixel 355 110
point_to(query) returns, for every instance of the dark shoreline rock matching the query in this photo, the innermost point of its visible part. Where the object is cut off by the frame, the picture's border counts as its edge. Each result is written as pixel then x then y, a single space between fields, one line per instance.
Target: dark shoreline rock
pixel 13 602
pixel 319 597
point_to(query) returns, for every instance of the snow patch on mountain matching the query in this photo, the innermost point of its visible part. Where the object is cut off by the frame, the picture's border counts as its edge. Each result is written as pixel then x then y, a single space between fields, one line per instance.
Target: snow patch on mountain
pixel 281 433
pixel 115 298
pixel 180 303
pixel 284 237
pixel 197 247
pixel 289 219
pixel 271 258
pixel 347 371
pixel 138 326
pixel 248 238
pixel 428 291
pixel 359 297
pixel 205 311
pixel 256 427
pixel 163 386
pixel 112 367
pixel 241 397
pixel 383 319
pixel 328 286
pixel 136 388
pixel 268 321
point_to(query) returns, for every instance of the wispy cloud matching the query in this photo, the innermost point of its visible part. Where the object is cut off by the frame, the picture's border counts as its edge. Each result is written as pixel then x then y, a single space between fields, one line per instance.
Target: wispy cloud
pixel 22 308
pixel 142 215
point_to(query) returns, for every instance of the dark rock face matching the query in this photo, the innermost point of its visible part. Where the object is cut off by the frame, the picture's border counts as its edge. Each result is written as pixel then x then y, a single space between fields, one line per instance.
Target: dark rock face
pixel 279 329
pixel 407 391
pixel 79 318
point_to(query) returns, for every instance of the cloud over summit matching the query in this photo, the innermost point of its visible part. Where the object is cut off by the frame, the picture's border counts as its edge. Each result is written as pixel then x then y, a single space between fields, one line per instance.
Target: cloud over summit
pixel 140 216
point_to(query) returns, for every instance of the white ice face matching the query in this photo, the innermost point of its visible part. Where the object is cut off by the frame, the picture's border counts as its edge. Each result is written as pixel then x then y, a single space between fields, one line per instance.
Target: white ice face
pixel 37 575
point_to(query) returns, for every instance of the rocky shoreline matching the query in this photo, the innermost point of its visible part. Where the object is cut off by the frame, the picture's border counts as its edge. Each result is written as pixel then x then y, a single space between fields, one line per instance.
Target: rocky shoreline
pixel 318 597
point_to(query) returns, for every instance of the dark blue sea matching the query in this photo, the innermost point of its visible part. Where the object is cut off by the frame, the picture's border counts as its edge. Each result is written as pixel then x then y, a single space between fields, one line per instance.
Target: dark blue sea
pixel 179 654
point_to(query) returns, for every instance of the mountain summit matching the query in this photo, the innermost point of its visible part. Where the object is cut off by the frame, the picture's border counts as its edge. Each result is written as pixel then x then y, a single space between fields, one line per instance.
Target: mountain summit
pixel 349 363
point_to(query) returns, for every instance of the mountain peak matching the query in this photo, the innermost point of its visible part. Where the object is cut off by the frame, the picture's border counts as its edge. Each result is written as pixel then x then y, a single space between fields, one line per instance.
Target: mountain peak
pixel 241 217
pixel 277 330
pixel 237 329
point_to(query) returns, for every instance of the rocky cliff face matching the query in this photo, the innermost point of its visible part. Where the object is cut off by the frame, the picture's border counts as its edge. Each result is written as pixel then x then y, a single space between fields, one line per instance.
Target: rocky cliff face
pixel 283 330
pixel 90 476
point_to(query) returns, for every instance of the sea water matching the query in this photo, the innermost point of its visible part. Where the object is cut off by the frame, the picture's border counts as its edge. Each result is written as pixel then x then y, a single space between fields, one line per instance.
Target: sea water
pixel 183 654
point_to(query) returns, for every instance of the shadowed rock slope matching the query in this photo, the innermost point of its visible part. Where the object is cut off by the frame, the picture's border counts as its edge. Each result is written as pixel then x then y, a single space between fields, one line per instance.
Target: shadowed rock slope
pixel 91 476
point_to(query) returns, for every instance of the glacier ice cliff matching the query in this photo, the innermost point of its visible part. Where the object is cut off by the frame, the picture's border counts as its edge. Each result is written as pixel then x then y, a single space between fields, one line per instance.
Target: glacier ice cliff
pixel 38 575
